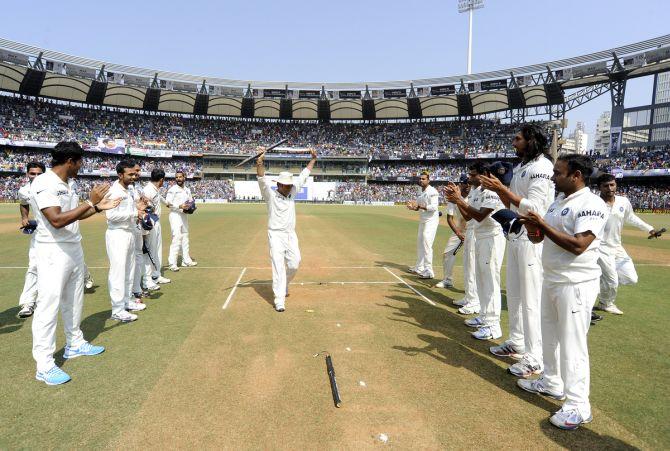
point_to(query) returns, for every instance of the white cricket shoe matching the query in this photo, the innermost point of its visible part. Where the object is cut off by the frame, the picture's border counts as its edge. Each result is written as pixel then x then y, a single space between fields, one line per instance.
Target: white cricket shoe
pixel 537 386
pixel 162 280
pixel 153 287
pixel 124 317
pixel 27 311
pixel 569 419
pixel 444 284
pixel 412 270
pixel 426 275
pixel 189 264
pixel 487 333
pixel 469 310
pixel 476 322
pixel 173 268
pixel 134 306
pixel 613 309
pixel 88 282
pixel 524 368
pixel 506 350
pixel 460 302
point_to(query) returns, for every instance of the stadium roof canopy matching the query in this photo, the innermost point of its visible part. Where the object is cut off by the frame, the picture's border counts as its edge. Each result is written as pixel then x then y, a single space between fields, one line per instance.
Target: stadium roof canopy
pixel 534 89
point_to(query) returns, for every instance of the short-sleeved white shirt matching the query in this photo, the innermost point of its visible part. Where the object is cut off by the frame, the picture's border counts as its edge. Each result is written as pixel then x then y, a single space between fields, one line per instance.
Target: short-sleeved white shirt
pixel 489 226
pixel 124 215
pixel 281 209
pixel 48 190
pixel 532 182
pixel 153 194
pixel 455 213
pixel 24 195
pixel 429 199
pixel 619 213
pixel 472 195
pixel 580 212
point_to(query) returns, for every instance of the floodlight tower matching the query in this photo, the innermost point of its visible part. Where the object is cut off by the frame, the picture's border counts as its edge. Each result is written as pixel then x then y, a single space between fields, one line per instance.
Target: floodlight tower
pixel 469 6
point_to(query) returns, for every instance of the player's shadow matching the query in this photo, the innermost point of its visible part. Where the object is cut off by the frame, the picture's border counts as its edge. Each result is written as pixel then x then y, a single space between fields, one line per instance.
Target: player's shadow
pixel 455 346
pixel 9 322
pixel 92 327
pixel 263 288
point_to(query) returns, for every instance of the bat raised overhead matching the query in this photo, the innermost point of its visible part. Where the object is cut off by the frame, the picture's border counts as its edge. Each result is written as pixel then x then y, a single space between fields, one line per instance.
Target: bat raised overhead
pixel 253 157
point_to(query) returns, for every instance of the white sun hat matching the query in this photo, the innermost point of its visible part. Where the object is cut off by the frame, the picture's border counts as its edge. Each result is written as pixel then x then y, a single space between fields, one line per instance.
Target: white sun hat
pixel 285 178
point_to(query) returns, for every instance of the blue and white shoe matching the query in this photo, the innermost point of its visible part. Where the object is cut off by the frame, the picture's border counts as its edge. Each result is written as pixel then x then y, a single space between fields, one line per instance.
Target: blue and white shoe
pixel 85 349
pixel 487 333
pixel 55 376
pixel 475 322
pixel 569 419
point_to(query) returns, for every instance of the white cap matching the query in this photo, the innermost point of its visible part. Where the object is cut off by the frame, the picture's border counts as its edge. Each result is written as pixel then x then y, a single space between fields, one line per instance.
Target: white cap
pixel 285 178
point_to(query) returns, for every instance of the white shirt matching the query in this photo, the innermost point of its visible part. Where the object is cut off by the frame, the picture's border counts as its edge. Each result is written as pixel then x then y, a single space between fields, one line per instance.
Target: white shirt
pixel 153 194
pixel 124 216
pixel 177 196
pixel 532 182
pixel 430 200
pixel 580 212
pixel 489 226
pixel 457 217
pixel 470 225
pixel 24 195
pixel 48 190
pixel 281 210
pixel 619 212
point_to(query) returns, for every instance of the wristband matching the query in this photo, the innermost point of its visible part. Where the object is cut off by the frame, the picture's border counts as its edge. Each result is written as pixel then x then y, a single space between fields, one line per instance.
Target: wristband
pixel 97 210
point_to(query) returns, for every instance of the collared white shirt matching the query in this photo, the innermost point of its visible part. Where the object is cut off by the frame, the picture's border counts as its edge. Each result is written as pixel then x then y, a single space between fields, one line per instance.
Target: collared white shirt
pixel 124 215
pixel 489 226
pixel 430 200
pixel 620 212
pixel 153 194
pixel 455 213
pixel 532 182
pixel 281 209
pixel 177 196
pixel 48 190
pixel 24 195
pixel 580 212
pixel 472 195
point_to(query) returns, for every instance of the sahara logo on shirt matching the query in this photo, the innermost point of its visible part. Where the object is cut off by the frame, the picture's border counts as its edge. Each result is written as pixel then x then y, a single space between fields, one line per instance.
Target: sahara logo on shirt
pixel 540 176
pixel 594 213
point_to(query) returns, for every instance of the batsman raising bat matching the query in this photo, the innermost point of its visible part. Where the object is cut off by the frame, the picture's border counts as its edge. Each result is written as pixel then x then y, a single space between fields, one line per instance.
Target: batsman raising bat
pixel 284 251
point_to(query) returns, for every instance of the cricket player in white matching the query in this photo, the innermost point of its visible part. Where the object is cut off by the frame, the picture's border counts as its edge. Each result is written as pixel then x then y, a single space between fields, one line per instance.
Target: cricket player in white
pixel 531 189
pixel 120 242
pixel 284 251
pixel 469 304
pixel 154 240
pixel 29 294
pixel 616 266
pixel 138 195
pixel 60 260
pixel 178 196
pixel 489 252
pixel 572 231
pixel 455 242
pixel 427 203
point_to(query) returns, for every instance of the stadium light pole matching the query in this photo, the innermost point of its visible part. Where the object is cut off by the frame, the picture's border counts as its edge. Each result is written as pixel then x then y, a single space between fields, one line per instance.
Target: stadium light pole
pixel 469 6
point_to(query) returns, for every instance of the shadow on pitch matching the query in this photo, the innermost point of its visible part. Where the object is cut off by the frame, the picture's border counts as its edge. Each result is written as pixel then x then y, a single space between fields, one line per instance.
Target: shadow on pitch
pixel 455 346
pixel 92 327
pixel 263 288
pixel 9 322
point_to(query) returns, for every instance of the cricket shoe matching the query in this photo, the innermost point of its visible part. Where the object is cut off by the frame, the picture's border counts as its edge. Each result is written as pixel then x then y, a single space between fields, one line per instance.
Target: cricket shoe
pixel 613 309
pixel 124 317
pixel 153 287
pixel 537 386
pixel 444 284
pixel 476 322
pixel 88 282
pixel 27 311
pixel 506 350
pixel 487 333
pixel 173 268
pixel 412 270
pixel 460 302
pixel 569 419
pixel 595 318
pixel 134 306
pixel 161 280
pixel 85 349
pixel 469 310
pixel 524 368
pixel 426 275
pixel 55 376
pixel 280 308
pixel 188 264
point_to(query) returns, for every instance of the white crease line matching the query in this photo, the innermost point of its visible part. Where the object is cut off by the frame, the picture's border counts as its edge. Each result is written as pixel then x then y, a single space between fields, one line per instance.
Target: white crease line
pixel 409 286
pixel 232 292
pixel 244 284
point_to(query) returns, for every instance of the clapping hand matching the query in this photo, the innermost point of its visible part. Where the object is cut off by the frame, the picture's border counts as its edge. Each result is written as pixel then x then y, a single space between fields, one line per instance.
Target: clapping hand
pixel 98 193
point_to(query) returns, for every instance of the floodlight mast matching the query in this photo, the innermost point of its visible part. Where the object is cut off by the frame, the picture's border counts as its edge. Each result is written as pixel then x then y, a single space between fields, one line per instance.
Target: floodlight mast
pixel 469 6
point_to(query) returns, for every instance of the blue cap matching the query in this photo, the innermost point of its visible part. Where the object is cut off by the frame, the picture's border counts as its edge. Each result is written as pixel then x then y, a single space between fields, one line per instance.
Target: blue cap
pixel 190 207
pixel 463 179
pixel 502 170
pixel 508 220
pixel 30 228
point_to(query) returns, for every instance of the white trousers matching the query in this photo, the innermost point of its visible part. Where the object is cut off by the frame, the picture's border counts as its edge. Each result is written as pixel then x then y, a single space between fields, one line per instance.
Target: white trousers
pixel 615 271
pixel 180 243
pixel 566 316
pixel 285 257
pixel 524 290
pixel 424 247
pixel 449 257
pixel 470 271
pixel 489 254
pixel 121 253
pixel 139 262
pixel 60 285
pixel 29 293
pixel 154 242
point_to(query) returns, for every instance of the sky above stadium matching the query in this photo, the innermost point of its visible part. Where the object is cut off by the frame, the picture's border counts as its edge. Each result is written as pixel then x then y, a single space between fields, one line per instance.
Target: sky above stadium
pixel 345 40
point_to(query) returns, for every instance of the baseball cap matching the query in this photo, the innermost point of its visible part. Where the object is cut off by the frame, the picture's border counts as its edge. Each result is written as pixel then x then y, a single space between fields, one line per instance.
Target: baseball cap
pixel 508 220
pixel 502 170
pixel 463 179
pixel 285 178
pixel 30 228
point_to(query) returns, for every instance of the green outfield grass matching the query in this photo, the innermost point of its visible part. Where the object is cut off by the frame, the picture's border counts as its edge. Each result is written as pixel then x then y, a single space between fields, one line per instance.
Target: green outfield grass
pixel 190 374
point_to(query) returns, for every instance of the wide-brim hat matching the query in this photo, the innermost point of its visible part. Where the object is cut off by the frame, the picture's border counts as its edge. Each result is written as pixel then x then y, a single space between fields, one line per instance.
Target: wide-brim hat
pixel 285 178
